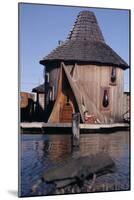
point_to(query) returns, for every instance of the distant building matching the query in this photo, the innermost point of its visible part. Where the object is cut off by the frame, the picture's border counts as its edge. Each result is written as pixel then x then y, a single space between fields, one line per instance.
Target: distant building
pixel 40 102
pixel 26 106
pixel 85 75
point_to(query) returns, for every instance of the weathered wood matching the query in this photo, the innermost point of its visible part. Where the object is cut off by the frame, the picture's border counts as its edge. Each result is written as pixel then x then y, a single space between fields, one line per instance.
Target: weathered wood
pixel 86 83
pixel 65 89
pixel 75 129
pixel 90 80
pixel 66 113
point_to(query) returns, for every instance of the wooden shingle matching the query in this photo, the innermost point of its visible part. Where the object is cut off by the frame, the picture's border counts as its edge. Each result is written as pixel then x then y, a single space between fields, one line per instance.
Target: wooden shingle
pixel 85 43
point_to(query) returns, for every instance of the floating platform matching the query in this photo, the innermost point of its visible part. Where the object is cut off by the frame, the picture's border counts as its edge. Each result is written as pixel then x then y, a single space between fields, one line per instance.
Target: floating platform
pixel 42 127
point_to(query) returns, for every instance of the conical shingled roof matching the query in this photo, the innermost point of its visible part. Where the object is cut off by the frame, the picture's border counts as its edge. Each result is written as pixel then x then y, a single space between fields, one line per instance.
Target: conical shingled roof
pixel 85 43
pixel 86 28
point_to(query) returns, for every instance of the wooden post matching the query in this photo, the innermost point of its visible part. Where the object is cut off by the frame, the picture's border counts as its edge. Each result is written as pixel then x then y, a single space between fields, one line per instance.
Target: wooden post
pixel 75 130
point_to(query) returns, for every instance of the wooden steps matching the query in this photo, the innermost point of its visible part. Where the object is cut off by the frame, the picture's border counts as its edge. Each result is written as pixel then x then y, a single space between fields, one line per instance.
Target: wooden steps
pixel 66 113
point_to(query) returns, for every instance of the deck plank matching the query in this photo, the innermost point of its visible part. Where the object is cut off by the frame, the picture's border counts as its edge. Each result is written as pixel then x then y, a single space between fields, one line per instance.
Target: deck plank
pixel 69 125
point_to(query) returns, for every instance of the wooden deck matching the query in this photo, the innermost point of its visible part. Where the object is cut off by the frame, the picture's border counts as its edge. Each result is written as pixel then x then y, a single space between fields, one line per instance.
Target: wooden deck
pixel 103 126
pixel 44 125
pixel 41 125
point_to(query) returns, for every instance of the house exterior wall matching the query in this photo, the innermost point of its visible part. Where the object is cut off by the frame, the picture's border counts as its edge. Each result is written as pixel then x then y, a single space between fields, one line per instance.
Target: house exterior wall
pixel 90 81
pixel 54 71
pixel 42 100
pixel 53 79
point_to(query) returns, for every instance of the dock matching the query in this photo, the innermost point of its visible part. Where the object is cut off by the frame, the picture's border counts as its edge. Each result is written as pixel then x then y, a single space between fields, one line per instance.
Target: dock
pixel 57 127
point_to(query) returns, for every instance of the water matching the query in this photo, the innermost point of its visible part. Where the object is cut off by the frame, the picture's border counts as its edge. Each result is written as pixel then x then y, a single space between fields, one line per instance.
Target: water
pixel 39 152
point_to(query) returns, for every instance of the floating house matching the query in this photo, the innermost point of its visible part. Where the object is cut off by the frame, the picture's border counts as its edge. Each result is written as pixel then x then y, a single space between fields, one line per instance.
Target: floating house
pixel 84 75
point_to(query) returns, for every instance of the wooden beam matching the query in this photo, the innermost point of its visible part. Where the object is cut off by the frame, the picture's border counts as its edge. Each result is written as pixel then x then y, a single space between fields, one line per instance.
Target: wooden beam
pixel 76 130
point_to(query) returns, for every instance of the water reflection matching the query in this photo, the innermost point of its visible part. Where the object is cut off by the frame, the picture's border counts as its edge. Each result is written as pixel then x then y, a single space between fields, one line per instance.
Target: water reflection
pixel 39 152
pixel 115 144
pixel 59 147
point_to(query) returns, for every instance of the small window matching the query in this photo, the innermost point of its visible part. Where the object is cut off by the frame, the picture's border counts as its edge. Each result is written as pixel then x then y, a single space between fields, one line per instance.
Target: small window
pixel 113 76
pixel 51 93
pixel 105 98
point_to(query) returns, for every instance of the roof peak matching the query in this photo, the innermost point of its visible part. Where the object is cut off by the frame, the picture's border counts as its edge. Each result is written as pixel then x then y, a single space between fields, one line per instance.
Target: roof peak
pixel 86 12
pixel 86 28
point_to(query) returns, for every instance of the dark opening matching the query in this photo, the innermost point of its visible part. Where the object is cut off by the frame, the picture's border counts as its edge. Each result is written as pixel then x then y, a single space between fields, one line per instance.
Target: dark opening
pixel 67 100
pixel 113 75
pixel 105 102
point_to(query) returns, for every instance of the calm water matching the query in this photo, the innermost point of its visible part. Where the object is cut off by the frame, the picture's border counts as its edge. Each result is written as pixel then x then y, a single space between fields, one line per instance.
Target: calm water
pixel 39 152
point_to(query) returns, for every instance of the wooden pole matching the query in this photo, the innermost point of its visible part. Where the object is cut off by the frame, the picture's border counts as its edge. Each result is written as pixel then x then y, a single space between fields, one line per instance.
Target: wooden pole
pixel 76 130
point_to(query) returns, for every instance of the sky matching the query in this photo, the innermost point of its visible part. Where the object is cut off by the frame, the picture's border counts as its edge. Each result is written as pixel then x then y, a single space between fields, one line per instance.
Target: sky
pixel 42 26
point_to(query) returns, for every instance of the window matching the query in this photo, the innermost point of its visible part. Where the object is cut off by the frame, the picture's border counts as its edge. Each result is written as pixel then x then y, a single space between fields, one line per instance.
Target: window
pixel 105 98
pixel 51 93
pixel 113 76
pixel 47 77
